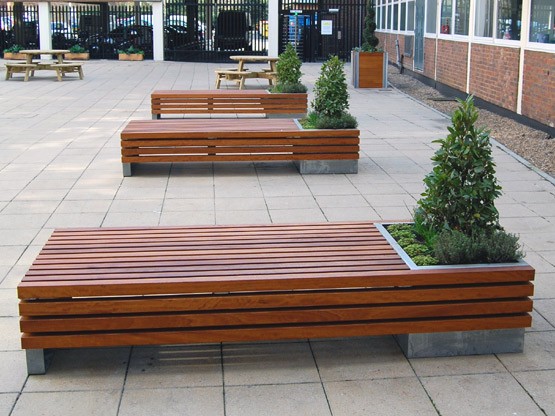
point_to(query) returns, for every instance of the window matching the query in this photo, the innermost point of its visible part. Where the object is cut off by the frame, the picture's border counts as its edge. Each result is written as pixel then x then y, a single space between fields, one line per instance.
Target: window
pixel 462 14
pixel 389 16
pixel 395 16
pixel 446 16
pixel 378 17
pixel 410 15
pixel 403 21
pixel 509 14
pixel 457 12
pixel 431 16
pixel 542 22
pixel 484 19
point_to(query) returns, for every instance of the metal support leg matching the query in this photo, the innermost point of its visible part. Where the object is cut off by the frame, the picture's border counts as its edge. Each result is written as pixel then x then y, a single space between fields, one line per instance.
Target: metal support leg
pixel 37 361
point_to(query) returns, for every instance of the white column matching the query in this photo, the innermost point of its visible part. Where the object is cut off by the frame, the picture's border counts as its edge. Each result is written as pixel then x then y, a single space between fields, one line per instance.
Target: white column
pixel 273 28
pixel 45 37
pixel 524 36
pixel 158 31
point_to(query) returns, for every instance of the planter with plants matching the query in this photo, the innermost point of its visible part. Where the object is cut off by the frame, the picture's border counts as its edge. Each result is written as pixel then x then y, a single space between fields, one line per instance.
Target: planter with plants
pixel 456 248
pixel 368 63
pixel 77 52
pixel 131 54
pixel 13 52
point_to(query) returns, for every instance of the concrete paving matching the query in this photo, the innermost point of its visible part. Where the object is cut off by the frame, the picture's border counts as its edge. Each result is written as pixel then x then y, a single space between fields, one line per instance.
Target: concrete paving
pixel 60 167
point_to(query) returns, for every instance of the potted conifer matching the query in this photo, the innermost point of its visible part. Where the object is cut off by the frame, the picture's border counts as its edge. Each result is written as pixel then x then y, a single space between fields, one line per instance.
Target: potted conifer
pixel 369 65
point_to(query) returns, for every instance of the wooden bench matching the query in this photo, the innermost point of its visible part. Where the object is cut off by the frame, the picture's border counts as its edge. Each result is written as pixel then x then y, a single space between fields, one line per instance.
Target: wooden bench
pixel 233 75
pixel 235 140
pixel 244 102
pixel 105 287
pixel 68 68
pixel 20 67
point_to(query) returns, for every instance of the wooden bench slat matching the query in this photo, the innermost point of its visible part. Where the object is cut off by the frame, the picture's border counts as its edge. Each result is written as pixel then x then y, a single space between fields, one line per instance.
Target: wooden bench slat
pixel 273 332
pixel 260 300
pixel 271 317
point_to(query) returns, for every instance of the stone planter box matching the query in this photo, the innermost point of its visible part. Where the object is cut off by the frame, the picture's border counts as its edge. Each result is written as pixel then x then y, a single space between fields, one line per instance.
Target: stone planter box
pixel 84 56
pixel 130 57
pixel 369 69
pixel 15 56
pixel 484 308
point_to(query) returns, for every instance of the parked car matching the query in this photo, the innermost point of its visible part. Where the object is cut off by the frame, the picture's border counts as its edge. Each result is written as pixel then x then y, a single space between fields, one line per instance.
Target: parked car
pixel 180 20
pixel 233 31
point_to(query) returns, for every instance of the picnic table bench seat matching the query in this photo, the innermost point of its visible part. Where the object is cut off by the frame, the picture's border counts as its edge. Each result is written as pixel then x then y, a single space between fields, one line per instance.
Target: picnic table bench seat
pixel 105 287
pixel 243 102
pixel 220 140
pixel 20 67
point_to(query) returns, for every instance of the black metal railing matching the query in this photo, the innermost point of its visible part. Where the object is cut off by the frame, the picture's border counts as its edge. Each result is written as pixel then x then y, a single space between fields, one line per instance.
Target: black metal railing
pixel 19 25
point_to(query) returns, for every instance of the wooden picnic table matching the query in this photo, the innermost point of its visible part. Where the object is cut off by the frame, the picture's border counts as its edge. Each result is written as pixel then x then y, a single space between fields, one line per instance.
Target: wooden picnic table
pixel 240 74
pixel 57 64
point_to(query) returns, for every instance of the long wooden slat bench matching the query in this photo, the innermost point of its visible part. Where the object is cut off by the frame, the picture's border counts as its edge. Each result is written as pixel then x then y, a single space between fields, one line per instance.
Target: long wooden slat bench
pixel 217 102
pixel 173 285
pixel 195 140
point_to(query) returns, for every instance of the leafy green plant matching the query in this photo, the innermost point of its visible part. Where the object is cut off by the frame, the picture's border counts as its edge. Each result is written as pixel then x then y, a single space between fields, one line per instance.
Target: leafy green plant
pixel 288 72
pixel 344 121
pixel 132 50
pixel 330 90
pixel 14 49
pixel 455 247
pixel 370 41
pixel 461 189
pixel 77 49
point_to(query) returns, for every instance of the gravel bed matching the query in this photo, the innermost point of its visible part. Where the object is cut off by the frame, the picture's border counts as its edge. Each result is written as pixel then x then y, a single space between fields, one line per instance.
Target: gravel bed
pixel 536 146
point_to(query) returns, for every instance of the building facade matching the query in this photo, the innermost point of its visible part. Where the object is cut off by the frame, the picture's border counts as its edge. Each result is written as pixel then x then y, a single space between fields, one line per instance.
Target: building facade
pixel 501 51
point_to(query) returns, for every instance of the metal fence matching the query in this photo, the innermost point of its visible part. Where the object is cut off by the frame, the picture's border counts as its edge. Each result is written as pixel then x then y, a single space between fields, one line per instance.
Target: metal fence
pixel 322 28
pixel 19 25
pixel 213 31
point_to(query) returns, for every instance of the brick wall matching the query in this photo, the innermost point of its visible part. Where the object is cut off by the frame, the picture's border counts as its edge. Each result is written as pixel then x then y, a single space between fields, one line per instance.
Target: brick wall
pixel 494 74
pixel 451 63
pixel 538 90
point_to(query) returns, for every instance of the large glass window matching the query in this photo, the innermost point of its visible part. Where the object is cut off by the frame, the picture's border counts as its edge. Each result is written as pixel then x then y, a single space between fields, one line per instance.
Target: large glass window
pixel 542 22
pixel 462 15
pixel 431 16
pixel 402 23
pixel 446 16
pixel 484 18
pixel 389 16
pixel 509 16
pixel 396 16
pixel 410 15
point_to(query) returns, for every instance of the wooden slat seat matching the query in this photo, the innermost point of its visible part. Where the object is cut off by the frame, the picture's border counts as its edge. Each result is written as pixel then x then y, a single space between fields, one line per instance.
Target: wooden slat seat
pixel 20 67
pixel 233 75
pixel 171 285
pixel 68 68
pixel 243 102
pixel 233 140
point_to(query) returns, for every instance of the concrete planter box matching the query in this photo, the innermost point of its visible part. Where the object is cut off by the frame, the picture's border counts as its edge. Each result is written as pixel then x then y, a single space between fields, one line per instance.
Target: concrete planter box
pixel 131 57
pixel 478 308
pixel 369 69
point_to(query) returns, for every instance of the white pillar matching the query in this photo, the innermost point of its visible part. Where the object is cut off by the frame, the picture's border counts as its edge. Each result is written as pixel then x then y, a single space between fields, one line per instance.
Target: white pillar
pixel 158 31
pixel 45 37
pixel 273 27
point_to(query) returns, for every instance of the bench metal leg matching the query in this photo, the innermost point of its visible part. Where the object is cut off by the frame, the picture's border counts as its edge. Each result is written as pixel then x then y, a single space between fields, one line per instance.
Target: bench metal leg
pixel 447 344
pixel 37 361
pixel 156 116
pixel 126 169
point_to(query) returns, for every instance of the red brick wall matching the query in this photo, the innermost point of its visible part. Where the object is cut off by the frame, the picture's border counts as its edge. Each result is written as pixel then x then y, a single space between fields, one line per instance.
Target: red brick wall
pixel 538 91
pixel 494 74
pixel 451 63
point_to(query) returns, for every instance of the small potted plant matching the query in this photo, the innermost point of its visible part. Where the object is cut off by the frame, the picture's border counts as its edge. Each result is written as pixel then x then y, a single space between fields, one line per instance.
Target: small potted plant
pixel 288 72
pixel 77 52
pixel 331 99
pixel 131 54
pixel 13 52
pixel 456 221
pixel 369 64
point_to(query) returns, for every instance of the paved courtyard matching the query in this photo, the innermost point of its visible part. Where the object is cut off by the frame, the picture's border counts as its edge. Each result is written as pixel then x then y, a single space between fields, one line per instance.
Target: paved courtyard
pixel 60 167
